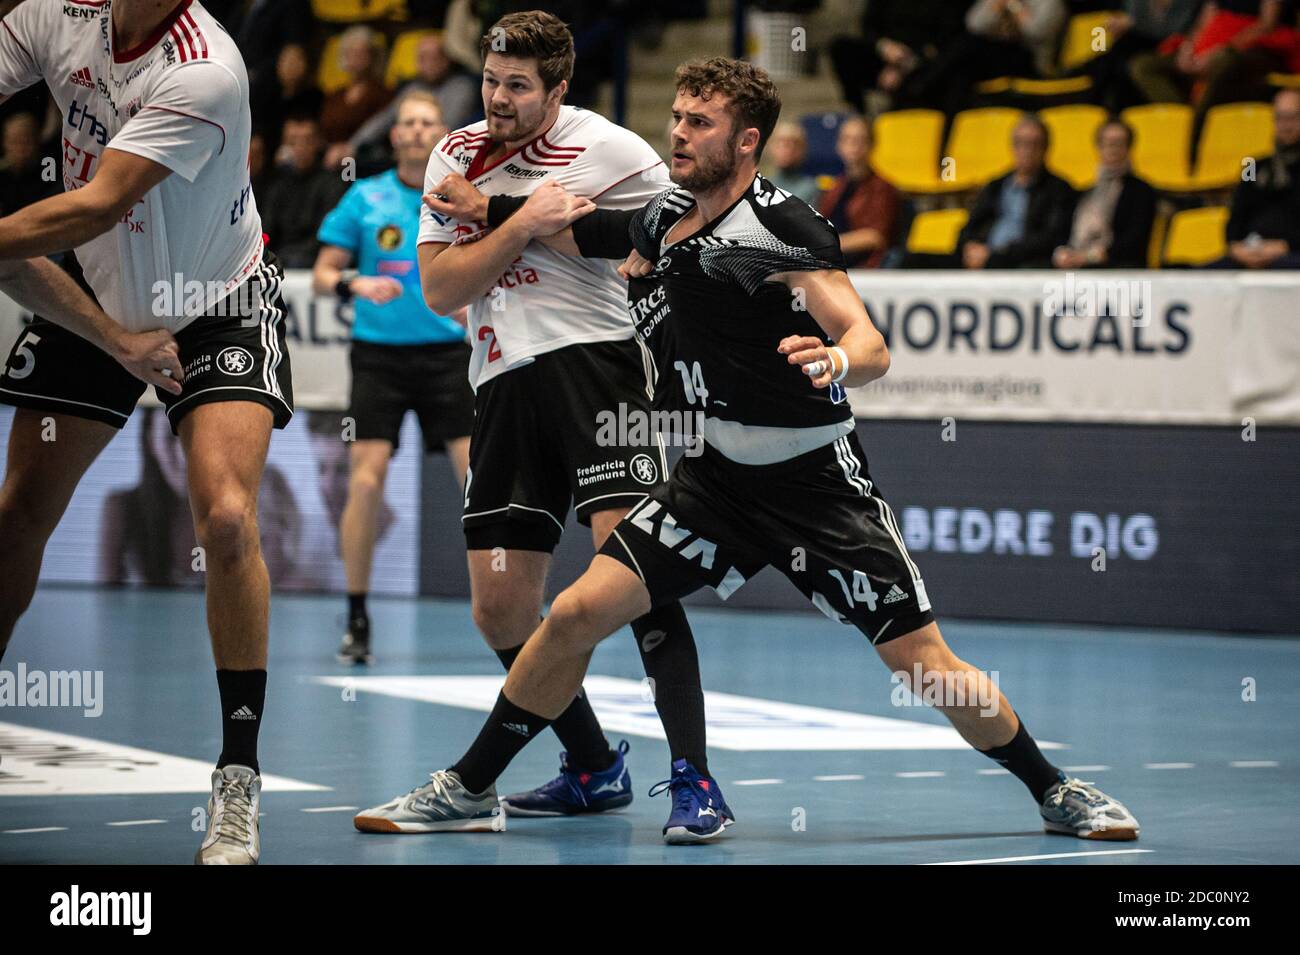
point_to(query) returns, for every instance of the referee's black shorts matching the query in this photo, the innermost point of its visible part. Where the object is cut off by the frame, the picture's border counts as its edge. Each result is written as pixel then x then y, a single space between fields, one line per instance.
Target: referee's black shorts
pixel 430 379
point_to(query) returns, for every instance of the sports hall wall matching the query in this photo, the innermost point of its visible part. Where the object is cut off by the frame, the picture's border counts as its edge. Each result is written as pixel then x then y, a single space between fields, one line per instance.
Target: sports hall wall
pixel 1047 459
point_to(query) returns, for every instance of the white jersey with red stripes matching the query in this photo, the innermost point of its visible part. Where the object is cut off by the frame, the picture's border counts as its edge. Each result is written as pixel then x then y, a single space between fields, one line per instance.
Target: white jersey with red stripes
pixel 546 300
pixel 179 98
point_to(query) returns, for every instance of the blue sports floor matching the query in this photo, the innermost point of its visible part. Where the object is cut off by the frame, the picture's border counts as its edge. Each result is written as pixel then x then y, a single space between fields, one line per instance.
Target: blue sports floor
pixel 1157 719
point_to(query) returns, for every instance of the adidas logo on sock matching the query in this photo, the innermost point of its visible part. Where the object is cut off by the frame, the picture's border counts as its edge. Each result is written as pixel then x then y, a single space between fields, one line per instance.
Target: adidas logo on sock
pixel 243 713
pixel 895 595
pixel 519 728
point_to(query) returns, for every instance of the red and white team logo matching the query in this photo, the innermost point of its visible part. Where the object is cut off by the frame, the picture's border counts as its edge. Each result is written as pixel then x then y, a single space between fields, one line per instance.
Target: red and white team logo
pixel 82 77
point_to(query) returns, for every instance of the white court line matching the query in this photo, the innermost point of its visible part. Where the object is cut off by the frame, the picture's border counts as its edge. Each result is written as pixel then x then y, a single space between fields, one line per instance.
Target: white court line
pixel 1085 769
pixel 138 822
pixel 1055 855
pixel 23 832
pixel 332 809
pixel 849 778
pixel 1168 765
pixel 1253 763
pixel 757 782
pixel 995 772
pixel 928 774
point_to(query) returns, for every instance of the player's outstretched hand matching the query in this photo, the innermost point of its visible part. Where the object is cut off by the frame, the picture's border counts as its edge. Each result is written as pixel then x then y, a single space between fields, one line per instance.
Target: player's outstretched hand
pixel 376 288
pixel 811 354
pixel 152 356
pixel 455 196
pixel 551 209
pixel 636 266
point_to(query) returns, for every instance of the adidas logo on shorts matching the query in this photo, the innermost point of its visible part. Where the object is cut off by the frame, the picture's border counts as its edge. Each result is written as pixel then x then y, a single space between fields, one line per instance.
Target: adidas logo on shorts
pixel 894 595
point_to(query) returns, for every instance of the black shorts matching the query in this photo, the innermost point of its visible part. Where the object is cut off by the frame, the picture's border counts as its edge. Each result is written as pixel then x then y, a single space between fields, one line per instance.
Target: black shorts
pixel 547 436
pixel 235 357
pixel 816 518
pixel 431 380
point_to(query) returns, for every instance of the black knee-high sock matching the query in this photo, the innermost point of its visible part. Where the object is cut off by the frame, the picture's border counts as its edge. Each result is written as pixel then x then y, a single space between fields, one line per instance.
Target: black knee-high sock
pixel 508 729
pixel 577 728
pixel 667 646
pixel 357 607
pixel 243 694
pixel 1023 758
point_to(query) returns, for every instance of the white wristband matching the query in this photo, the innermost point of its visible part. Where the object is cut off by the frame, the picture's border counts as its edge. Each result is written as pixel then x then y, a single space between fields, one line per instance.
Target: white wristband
pixel 844 362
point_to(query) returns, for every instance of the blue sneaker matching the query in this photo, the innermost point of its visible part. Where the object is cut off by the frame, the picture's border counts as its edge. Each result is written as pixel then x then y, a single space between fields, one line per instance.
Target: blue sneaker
pixel 572 792
pixel 699 811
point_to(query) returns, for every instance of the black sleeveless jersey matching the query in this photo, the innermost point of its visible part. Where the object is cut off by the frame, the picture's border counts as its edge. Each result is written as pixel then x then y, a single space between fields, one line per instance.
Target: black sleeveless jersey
pixel 717 320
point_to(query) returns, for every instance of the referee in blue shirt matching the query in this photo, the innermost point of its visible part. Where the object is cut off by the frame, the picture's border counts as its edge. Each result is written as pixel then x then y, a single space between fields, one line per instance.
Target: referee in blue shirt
pixel 404 356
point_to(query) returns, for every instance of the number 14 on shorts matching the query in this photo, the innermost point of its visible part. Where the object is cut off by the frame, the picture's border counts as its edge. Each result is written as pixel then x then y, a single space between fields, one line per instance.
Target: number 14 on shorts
pixel 861 591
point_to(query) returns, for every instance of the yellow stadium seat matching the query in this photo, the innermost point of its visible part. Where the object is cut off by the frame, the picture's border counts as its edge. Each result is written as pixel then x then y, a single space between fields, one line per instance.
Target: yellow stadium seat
pixel 979 146
pixel 1085 38
pixel 401 62
pixel 1162 141
pixel 1072 151
pixel 905 149
pixel 935 232
pixel 1233 133
pixel 1289 81
pixel 330 76
pixel 358 11
pixel 1196 236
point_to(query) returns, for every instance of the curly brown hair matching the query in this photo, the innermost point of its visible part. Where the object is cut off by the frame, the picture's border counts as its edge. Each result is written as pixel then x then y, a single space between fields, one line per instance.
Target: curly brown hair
pixel 754 100
pixel 533 34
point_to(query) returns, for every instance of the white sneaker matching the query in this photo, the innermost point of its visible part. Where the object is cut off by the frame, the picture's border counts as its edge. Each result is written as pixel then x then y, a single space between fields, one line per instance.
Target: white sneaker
pixel 1076 808
pixel 232 818
pixel 440 805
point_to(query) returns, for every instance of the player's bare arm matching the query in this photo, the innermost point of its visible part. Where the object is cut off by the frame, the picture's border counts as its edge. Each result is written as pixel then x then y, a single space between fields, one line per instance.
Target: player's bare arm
pixel 42 287
pixel 455 275
pixel 835 305
pixel 73 218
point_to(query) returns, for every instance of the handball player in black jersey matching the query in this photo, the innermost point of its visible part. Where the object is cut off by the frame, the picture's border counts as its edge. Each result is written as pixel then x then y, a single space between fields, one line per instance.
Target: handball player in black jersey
pixel 740 291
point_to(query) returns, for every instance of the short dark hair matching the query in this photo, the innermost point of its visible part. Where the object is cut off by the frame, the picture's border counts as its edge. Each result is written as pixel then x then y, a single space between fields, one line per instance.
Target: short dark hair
pixel 1116 121
pixel 1033 119
pixel 755 101
pixel 533 34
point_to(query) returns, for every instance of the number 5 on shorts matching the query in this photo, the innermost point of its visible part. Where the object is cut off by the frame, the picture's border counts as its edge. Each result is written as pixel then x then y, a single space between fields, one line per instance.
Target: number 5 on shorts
pixel 17 372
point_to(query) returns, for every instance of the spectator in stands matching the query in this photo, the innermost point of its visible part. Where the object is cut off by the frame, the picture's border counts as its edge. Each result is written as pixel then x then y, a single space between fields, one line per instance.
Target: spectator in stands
pixel 24 179
pixel 457 93
pixel 290 91
pixel 299 193
pixel 1018 220
pixel 1002 38
pixel 862 206
pixel 1112 220
pixel 257 153
pixel 264 27
pixel 1233 46
pixel 1264 228
pixel 1009 30
pixel 899 44
pixel 1140 28
pixel 787 148
pixel 345 110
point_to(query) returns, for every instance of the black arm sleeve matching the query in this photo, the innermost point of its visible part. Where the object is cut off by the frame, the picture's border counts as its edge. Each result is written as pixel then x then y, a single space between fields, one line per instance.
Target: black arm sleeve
pixel 603 234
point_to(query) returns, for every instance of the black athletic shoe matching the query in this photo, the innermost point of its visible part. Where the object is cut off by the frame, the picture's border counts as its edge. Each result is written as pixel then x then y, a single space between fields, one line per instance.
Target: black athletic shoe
pixel 356 644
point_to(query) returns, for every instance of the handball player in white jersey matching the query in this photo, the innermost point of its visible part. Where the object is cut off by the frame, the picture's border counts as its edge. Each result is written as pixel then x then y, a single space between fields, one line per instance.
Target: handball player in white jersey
pixel 554 355
pixel 180 292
